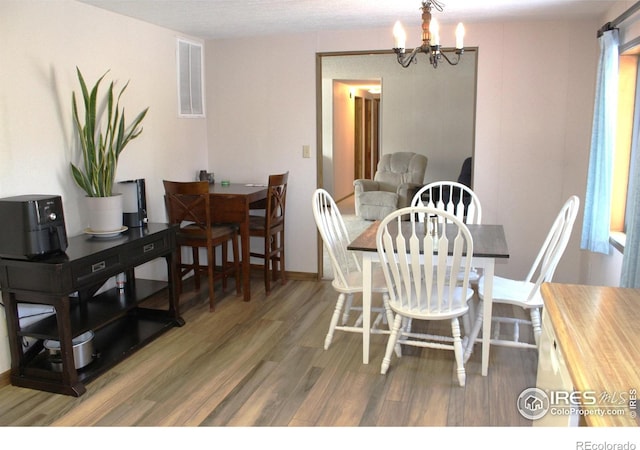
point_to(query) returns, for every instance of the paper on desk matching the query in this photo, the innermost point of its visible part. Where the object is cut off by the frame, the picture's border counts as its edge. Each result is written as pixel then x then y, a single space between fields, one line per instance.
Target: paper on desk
pixel 256 184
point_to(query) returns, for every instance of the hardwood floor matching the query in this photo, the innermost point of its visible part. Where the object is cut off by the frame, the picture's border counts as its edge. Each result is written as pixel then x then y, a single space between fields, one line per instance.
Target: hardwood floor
pixel 262 363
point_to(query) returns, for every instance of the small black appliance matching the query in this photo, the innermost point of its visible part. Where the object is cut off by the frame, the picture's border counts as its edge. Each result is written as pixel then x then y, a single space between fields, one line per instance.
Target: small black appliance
pixel 134 203
pixel 32 226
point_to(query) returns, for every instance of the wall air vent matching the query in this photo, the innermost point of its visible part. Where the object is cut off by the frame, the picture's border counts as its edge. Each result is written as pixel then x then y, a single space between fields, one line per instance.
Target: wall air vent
pixel 190 79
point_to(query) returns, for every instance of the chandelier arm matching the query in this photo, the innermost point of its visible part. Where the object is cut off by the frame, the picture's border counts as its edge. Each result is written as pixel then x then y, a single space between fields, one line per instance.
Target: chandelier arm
pixel 406 60
pixel 439 6
pixel 452 62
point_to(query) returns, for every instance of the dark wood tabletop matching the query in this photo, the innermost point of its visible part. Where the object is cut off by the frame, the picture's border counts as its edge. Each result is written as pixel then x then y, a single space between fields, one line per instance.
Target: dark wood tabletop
pixel 488 240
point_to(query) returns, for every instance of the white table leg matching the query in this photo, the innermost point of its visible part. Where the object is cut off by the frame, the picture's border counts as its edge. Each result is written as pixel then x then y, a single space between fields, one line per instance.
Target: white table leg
pixel 487 308
pixel 366 305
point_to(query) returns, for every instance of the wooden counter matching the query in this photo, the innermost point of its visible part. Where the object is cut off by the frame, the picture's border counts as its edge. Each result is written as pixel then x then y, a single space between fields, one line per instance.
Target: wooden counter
pixel 598 330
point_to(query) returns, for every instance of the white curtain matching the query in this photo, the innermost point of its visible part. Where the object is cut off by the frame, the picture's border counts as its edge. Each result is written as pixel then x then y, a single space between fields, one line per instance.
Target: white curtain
pixel 597 210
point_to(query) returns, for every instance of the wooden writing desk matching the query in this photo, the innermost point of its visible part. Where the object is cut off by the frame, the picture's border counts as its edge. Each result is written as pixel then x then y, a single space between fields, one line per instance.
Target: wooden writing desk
pixel 230 204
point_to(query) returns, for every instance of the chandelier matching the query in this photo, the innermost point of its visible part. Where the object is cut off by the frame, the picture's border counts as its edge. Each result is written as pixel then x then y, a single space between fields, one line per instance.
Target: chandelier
pixel 430 39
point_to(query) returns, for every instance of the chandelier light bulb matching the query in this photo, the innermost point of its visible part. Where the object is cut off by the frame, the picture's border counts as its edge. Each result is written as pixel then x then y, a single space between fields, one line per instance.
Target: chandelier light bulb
pixel 460 36
pixel 400 35
pixel 434 31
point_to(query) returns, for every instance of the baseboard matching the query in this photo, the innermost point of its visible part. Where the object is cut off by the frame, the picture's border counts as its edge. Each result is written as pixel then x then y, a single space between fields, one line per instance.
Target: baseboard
pixel 302 276
pixel 298 276
pixel 5 378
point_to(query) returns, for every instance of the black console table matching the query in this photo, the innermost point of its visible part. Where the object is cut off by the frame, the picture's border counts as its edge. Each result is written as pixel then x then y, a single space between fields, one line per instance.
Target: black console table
pixel 71 283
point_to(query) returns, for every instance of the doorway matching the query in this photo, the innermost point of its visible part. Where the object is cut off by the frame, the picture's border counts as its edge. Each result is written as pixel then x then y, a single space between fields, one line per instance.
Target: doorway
pixel 406 117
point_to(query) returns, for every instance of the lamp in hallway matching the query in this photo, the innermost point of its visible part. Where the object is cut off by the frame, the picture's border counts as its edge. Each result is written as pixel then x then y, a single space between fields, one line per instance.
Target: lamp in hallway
pixel 430 40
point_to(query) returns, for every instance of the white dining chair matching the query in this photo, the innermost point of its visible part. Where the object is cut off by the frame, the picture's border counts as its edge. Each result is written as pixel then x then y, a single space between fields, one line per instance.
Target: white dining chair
pixel 455 198
pixel 525 293
pixel 347 271
pixel 461 201
pixel 416 263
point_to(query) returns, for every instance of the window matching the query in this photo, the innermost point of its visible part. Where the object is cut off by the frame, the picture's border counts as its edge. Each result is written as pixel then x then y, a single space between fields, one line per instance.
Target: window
pixel 190 76
pixel 628 128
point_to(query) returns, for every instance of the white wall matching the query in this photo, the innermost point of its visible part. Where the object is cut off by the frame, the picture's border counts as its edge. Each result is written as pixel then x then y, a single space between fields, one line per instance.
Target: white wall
pixel 532 130
pixel 261 111
pixel 42 43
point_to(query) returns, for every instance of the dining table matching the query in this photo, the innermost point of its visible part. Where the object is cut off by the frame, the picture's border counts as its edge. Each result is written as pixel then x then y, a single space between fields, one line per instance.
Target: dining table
pixel 231 203
pixel 489 246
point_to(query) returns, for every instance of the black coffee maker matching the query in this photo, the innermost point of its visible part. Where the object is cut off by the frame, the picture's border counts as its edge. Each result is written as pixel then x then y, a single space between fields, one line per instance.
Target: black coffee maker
pixel 32 226
pixel 134 203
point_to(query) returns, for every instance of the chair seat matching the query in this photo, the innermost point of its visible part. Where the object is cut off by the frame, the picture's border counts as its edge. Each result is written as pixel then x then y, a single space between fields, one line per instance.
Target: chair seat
pixel 379 198
pixel 514 292
pixel 460 305
pixel 257 223
pixel 195 232
pixel 354 282
pixel 376 205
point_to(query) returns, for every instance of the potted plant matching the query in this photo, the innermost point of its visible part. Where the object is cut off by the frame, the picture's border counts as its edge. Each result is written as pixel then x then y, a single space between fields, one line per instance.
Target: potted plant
pixel 101 140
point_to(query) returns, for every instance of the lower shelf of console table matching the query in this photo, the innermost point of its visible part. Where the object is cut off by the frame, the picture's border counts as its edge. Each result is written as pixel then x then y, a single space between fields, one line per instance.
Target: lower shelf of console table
pixel 113 342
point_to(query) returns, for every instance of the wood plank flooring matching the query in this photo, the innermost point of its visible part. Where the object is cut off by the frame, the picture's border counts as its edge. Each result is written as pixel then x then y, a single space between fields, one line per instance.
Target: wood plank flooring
pixel 262 363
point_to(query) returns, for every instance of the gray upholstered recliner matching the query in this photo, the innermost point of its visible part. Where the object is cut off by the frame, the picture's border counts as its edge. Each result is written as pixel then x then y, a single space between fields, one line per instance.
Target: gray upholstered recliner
pixel 398 177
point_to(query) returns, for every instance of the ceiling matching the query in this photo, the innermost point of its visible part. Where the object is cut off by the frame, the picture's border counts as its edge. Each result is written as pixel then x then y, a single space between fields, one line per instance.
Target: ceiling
pixel 222 19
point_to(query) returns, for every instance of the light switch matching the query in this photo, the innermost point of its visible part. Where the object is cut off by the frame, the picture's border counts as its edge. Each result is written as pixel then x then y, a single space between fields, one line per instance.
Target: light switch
pixel 306 151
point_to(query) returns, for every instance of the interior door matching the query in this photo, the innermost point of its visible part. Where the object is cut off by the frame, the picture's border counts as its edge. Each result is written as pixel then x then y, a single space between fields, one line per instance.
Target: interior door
pixel 358 139
pixel 366 140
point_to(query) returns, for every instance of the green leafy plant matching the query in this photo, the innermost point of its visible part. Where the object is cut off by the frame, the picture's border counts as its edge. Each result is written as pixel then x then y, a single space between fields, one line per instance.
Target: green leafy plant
pixel 101 148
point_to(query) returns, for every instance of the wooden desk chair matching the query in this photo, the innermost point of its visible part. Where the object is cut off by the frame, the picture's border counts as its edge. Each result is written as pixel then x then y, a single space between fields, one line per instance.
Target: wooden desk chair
pixel 270 227
pixel 188 206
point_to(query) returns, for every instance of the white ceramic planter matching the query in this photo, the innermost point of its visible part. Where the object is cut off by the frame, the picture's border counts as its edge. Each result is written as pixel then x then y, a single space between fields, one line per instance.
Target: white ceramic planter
pixel 104 214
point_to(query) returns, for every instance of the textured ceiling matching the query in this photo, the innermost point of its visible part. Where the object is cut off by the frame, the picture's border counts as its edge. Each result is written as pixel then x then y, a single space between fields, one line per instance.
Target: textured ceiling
pixel 215 19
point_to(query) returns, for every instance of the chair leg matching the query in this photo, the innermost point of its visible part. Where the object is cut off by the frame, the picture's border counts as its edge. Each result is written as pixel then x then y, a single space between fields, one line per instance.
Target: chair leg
pixel 334 319
pixel 347 310
pixel 536 323
pixel 391 344
pixel 474 332
pixel 283 276
pixel 267 264
pixel 274 258
pixel 196 266
pixel 236 262
pixel 389 315
pixel 179 266
pixel 457 348
pixel 223 265
pixel 466 323
pixel 211 274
